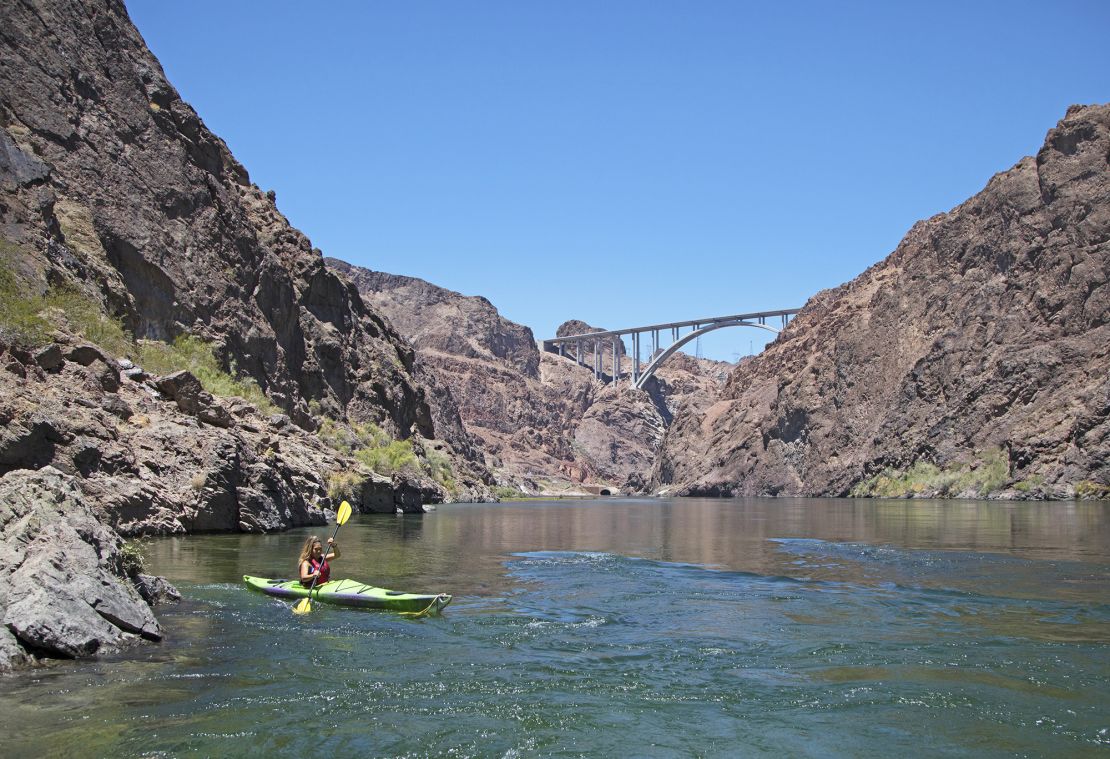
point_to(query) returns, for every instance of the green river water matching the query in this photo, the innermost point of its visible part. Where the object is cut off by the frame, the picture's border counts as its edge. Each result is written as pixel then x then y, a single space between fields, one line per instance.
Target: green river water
pixel 621 628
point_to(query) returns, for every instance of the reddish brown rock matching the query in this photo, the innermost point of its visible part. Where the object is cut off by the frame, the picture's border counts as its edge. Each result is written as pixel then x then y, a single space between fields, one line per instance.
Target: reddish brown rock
pixel 544 423
pixel 972 361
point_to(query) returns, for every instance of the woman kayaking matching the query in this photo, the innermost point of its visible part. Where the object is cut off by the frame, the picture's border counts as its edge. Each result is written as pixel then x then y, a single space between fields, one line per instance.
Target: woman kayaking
pixel 314 564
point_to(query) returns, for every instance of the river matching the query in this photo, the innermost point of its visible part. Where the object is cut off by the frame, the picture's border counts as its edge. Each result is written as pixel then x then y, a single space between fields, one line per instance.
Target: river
pixel 613 627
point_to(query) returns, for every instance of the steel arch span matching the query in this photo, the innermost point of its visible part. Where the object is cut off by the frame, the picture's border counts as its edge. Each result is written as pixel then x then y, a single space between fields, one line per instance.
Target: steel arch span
pixel 649 370
pixel 593 341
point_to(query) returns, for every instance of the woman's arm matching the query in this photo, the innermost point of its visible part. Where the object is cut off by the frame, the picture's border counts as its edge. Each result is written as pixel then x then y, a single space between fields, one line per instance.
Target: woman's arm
pixel 306 571
pixel 334 550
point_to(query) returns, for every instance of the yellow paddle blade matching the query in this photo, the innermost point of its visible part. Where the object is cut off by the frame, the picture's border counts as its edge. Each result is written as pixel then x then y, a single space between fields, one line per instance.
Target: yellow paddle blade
pixel 304 606
pixel 343 514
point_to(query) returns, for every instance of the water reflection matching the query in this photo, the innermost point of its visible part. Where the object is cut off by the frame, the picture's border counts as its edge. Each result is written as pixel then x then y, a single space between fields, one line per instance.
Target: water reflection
pixel 463 547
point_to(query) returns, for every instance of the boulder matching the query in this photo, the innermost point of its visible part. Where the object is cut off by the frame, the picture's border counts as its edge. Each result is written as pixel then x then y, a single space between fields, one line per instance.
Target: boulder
pixel 64 589
pixel 50 357
pixel 192 398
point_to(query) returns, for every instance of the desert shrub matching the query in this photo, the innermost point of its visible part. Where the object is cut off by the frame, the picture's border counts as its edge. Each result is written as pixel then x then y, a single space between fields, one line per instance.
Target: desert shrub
pixel 438 466
pixel 86 317
pixel 132 559
pixel 393 457
pixel 1092 490
pixel 21 320
pixel 348 438
pixel 344 485
pixel 505 492
pixel 1027 485
pixel 197 356
pixel 27 317
pixel 987 475
pixel 372 446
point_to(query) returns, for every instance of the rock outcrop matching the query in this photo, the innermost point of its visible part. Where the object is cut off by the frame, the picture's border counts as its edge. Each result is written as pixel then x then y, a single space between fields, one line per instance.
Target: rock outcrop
pixel 112 185
pixel 972 361
pixel 65 588
pixel 159 455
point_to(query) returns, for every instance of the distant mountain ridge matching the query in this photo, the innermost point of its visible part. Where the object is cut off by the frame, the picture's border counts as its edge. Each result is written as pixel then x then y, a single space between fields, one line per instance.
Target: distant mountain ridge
pixel 543 421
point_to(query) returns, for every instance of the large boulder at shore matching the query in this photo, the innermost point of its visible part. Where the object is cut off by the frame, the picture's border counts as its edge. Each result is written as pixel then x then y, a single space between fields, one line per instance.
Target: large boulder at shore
pixel 65 590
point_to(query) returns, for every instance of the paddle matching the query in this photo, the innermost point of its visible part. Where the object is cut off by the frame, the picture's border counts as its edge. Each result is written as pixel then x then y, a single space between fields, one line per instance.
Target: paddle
pixel 304 606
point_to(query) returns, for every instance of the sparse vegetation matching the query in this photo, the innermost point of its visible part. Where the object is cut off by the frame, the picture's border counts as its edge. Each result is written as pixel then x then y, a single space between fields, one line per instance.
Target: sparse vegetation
pixel 505 492
pixel 393 457
pixel 349 438
pixel 438 466
pixel 982 477
pixel 26 319
pixel 84 316
pixel 345 485
pixel 21 320
pixel 1027 485
pixel 370 445
pixel 132 559
pixel 197 356
pixel 1087 489
pixel 373 447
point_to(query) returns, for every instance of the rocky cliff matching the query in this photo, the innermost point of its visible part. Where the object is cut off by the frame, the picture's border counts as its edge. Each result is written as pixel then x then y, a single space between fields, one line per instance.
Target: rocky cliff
pixel 543 422
pixel 112 187
pixel 972 361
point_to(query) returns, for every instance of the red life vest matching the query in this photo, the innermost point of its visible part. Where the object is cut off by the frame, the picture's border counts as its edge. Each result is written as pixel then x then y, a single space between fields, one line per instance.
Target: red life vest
pixel 324 569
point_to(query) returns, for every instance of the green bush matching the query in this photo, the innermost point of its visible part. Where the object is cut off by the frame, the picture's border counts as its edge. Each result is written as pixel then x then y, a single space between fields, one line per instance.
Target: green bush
pixel 394 457
pixel 985 476
pixel 197 356
pixel 345 486
pixel 132 559
pixel 370 445
pixel 507 493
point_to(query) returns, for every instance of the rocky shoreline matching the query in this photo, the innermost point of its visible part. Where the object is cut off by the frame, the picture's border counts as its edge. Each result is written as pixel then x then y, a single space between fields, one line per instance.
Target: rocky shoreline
pixel 67 589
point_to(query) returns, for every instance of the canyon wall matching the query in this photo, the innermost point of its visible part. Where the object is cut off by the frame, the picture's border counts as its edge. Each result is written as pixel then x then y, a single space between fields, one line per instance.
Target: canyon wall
pixel 971 361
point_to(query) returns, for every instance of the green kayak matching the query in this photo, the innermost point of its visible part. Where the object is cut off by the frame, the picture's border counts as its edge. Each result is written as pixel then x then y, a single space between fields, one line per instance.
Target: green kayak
pixel 352 593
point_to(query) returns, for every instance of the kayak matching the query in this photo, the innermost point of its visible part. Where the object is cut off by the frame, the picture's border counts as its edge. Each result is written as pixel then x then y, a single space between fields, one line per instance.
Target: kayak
pixel 352 593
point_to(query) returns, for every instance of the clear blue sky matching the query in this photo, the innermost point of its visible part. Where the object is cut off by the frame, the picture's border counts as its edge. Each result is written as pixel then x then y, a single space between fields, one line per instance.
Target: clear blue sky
pixel 629 162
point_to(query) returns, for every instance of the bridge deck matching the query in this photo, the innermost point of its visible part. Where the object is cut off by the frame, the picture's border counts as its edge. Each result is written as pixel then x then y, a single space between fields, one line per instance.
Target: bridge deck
pixel 638 375
pixel 758 315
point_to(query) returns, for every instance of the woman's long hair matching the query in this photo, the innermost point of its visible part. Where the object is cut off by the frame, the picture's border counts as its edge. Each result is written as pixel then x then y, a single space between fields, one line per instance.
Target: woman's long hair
pixel 306 550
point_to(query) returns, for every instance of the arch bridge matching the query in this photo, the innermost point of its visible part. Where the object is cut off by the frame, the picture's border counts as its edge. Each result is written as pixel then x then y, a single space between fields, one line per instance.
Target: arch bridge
pixel 589 342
